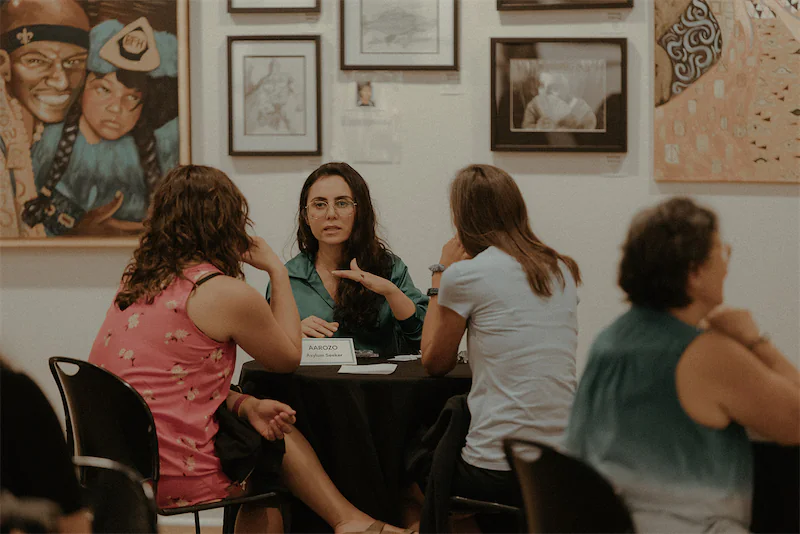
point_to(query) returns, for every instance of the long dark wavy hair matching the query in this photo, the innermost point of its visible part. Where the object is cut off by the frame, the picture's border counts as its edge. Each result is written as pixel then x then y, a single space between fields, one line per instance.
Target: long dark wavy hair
pixel 489 210
pixel 197 215
pixel 356 306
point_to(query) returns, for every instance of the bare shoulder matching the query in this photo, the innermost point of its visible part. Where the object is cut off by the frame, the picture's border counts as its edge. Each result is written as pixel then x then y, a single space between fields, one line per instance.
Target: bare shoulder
pixel 227 292
pixel 712 348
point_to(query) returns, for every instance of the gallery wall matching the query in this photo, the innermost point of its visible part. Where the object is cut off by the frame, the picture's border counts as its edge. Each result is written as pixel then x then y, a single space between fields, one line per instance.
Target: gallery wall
pixel 53 301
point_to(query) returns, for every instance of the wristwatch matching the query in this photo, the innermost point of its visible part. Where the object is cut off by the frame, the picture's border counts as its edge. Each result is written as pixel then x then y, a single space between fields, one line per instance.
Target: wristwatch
pixel 433 291
pixel 437 268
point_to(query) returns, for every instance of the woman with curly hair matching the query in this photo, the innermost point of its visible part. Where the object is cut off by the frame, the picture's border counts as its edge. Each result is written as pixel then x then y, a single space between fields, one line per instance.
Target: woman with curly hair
pixel 345 280
pixel 172 331
pixel 673 384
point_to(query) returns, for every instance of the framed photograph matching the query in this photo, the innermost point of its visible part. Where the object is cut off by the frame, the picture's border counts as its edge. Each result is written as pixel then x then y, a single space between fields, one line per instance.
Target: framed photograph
pixel 392 35
pixel 273 6
pixel 274 96
pixel 559 95
pixel 520 5
pixel 79 161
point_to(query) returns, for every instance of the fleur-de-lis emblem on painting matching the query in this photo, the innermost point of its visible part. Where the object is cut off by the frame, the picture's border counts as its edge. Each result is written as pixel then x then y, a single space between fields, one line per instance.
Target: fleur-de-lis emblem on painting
pixel 25 36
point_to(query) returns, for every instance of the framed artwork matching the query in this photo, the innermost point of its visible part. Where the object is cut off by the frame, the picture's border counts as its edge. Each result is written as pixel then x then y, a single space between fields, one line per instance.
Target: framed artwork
pixel 727 100
pixel 559 95
pixel 518 5
pixel 273 6
pixel 392 35
pixel 274 96
pixel 87 136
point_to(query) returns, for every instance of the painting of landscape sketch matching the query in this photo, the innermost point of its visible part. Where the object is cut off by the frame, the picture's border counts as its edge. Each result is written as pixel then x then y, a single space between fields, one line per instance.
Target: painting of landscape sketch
pixel 390 27
pixel 274 95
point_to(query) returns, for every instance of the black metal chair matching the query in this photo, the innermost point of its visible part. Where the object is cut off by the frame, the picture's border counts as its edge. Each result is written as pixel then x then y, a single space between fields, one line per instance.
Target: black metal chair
pixel 120 500
pixel 463 505
pixel 107 418
pixel 564 494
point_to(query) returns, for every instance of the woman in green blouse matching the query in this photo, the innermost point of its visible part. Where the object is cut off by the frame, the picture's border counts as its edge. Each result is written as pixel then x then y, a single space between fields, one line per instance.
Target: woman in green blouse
pixel 345 280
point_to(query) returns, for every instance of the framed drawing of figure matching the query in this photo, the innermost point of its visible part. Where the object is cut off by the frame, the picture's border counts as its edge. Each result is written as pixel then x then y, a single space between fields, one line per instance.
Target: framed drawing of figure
pixel 94 110
pixel 274 95
pixel 392 35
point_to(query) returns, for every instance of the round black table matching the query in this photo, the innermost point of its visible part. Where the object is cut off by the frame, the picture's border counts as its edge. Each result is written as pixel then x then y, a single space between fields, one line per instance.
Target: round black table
pixel 361 426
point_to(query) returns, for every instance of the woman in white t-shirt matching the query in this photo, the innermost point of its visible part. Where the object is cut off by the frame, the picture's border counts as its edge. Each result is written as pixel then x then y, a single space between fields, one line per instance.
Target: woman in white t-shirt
pixel 517 299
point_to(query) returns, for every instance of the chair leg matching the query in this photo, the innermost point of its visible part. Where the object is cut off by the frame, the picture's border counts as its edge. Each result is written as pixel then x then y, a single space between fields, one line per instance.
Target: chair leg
pixel 196 523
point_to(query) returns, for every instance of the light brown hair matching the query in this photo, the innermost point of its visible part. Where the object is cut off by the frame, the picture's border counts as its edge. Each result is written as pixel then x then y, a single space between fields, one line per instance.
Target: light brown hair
pixel 197 215
pixel 488 210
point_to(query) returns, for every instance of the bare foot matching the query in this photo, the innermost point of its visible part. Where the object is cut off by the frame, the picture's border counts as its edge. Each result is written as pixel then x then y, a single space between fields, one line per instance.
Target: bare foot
pixel 360 525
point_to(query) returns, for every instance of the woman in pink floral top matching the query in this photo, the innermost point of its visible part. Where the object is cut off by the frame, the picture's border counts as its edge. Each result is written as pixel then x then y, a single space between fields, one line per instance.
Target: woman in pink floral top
pixel 172 332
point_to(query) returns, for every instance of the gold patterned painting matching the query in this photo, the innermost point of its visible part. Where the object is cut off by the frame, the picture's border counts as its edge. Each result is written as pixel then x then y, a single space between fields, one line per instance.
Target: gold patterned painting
pixel 727 90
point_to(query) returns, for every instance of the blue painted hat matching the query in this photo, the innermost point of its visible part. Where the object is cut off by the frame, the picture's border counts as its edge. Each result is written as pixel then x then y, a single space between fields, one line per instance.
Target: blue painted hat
pixel 135 47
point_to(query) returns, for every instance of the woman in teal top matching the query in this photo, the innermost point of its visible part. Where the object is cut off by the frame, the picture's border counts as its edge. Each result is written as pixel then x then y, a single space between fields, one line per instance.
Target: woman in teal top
pixel 345 280
pixel 663 404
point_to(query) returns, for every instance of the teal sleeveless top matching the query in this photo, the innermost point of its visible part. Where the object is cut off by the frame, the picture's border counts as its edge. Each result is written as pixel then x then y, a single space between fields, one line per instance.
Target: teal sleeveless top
pixel 675 475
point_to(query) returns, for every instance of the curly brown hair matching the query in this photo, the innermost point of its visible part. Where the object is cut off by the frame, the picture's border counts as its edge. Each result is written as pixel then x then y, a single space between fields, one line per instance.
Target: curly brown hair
pixel 357 307
pixel 197 215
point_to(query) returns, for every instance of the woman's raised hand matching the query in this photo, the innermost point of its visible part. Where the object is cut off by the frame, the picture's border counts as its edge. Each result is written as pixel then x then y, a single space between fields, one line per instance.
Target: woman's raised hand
pixel 261 256
pixel 373 282
pixel 313 326
pixel 453 251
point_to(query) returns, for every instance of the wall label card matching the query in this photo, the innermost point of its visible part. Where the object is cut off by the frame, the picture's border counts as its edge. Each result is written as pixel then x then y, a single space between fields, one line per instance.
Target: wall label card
pixel 328 351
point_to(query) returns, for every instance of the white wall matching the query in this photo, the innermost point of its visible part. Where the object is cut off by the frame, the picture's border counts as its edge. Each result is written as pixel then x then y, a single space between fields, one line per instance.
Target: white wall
pixel 53 301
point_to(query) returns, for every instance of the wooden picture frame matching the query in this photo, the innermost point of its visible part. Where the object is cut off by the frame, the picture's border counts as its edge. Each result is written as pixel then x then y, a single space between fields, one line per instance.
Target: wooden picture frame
pixel 52 205
pixel 272 6
pixel 274 95
pixel 525 5
pixel 559 94
pixel 391 35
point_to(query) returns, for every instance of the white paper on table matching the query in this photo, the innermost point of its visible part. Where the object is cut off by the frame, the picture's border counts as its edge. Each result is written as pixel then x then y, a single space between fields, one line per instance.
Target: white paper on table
pixel 369 369
pixel 405 358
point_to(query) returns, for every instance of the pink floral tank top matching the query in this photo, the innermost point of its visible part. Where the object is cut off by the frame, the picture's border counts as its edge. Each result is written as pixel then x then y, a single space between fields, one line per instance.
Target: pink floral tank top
pixel 183 374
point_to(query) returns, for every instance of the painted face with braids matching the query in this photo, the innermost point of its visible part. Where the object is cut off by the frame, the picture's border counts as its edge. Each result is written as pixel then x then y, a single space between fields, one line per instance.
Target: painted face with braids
pixel 103 162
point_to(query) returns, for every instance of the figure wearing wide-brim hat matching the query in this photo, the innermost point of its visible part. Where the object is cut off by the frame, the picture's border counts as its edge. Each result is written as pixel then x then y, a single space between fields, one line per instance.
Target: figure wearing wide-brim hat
pixel 118 139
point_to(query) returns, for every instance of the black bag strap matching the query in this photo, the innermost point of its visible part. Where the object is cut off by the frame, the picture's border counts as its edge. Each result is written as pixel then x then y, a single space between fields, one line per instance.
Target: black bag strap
pixel 206 278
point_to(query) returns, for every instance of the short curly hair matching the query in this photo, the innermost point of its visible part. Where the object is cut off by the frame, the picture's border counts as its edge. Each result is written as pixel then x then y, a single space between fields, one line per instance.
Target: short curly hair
pixel 664 244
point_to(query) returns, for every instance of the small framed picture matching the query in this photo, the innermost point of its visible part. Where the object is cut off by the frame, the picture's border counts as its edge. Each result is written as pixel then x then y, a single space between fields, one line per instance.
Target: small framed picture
pixel 519 5
pixel 274 96
pixel 559 95
pixel 392 35
pixel 274 6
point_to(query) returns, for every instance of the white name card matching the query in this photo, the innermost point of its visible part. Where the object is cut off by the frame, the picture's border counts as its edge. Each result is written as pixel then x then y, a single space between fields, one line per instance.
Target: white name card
pixel 328 351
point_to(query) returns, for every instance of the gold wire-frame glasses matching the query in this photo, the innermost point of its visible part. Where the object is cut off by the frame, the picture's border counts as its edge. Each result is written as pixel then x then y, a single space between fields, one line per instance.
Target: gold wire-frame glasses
pixel 343 207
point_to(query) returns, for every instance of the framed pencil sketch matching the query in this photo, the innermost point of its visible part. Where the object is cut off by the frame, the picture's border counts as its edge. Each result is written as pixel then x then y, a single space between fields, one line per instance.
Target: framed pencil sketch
pixel 559 95
pixel 392 35
pixel 87 139
pixel 274 95
pixel 519 5
pixel 274 6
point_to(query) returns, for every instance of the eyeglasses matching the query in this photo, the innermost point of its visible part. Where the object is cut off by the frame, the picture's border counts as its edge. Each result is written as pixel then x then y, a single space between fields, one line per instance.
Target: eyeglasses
pixel 318 209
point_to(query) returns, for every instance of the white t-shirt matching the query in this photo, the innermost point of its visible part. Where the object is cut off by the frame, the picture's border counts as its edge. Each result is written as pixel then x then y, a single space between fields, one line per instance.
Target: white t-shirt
pixel 521 349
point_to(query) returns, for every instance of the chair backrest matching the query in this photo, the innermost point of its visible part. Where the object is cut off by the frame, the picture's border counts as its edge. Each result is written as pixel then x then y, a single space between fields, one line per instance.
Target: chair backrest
pixel 106 417
pixel 121 502
pixel 564 494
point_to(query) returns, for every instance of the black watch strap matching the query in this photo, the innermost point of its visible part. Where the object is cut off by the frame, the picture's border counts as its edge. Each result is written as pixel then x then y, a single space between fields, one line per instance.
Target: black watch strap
pixel 433 291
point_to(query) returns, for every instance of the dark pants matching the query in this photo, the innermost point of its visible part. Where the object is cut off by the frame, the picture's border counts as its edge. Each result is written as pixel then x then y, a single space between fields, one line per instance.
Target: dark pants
pixel 488 485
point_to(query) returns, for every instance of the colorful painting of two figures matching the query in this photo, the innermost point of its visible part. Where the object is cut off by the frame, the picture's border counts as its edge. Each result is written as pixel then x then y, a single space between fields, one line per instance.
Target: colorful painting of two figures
pixel 89 114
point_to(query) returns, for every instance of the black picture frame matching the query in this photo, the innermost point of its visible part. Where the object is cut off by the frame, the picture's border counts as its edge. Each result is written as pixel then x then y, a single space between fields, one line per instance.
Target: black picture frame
pixel 315 9
pixel 345 63
pixel 589 77
pixel 313 145
pixel 537 5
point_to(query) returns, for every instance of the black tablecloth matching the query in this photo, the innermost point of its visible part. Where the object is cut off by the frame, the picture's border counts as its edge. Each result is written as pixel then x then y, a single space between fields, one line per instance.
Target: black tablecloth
pixel 776 488
pixel 361 426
